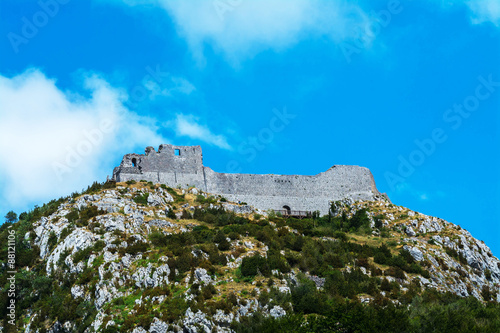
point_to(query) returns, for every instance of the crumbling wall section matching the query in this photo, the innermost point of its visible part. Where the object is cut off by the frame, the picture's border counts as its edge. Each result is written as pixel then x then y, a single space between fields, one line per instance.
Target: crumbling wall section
pixel 182 166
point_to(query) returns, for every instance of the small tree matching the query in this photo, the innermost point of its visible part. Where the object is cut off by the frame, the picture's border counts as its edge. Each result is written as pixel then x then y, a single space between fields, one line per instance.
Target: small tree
pixel 11 217
pixel 171 213
pixel 486 293
pixel 251 266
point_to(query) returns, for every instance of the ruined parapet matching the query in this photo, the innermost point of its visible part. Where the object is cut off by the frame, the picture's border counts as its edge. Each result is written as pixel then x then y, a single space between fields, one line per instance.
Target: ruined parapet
pixel 152 166
pixel 182 166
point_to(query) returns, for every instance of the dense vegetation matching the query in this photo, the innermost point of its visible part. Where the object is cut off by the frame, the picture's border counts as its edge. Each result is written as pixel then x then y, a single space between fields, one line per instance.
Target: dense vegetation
pixel 429 312
pixel 317 246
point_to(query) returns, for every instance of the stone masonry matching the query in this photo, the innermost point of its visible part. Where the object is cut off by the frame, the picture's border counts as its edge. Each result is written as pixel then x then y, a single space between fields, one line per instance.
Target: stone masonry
pixel 182 166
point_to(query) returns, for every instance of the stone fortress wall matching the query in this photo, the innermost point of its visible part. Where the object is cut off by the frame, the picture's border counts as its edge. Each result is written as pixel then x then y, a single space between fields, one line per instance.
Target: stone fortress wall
pixel 182 166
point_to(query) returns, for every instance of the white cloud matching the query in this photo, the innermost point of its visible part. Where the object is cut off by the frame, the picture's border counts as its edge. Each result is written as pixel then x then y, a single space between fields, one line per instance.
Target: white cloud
pixel 241 28
pixel 174 85
pixel 54 142
pixel 485 11
pixel 481 11
pixel 188 126
pixel 423 197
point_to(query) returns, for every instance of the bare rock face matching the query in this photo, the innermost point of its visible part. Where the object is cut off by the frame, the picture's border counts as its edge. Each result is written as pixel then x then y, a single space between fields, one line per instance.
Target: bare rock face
pixel 277 312
pixel 158 326
pixel 78 240
pixel 222 319
pixel 77 291
pixel 415 253
pixel 320 282
pixel 113 223
pixel 199 319
pixel 245 209
pixel 410 232
pixel 200 274
pixel 104 294
pixel 155 200
pixel 150 277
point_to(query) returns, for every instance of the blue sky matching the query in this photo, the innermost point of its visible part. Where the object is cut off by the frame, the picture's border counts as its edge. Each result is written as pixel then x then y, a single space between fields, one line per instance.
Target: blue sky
pixel 409 89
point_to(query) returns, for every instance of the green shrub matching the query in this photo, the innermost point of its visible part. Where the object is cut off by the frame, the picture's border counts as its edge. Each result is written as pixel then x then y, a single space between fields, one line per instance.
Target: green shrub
pixel 385 285
pixel 65 233
pixel 98 246
pixel 88 213
pixel 200 199
pixel 379 221
pixel 83 254
pixel 251 266
pixel 359 219
pixel 177 197
pixel 233 235
pixel 158 239
pixel 307 299
pixel 63 256
pixel 52 241
pixel 277 261
pixel 73 215
pixel 97 187
pixel 141 199
pixel 340 236
pixel 487 274
pixel 186 215
pixel 111 329
pixel 224 245
pixel 486 293
pixel 380 258
pixel 208 291
pixel 133 249
pixel 221 240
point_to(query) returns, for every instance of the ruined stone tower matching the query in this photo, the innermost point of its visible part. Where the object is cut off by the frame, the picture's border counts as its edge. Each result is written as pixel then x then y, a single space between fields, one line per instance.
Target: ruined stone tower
pixel 182 166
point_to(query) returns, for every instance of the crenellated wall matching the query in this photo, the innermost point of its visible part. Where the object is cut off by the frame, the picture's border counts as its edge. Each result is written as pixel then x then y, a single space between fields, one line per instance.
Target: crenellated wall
pixel 183 166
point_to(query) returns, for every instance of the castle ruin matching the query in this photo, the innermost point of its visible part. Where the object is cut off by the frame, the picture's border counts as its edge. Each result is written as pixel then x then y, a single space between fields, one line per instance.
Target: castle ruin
pixel 182 166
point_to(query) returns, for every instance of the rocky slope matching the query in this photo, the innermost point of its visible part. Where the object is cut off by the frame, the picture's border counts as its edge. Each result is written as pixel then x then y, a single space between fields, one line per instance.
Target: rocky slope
pixel 140 257
pixel 456 261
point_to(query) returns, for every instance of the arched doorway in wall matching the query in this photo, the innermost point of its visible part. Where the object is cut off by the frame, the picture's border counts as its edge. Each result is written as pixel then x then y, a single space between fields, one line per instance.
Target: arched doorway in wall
pixel 287 209
pixel 134 162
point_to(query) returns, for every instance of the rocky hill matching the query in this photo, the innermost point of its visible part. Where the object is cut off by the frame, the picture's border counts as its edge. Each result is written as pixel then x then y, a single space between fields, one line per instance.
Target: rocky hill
pixel 140 257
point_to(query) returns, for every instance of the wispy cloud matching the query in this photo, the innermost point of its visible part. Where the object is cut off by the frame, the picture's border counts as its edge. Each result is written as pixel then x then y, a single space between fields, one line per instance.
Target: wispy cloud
pixel 54 142
pixel 167 88
pixel 485 11
pixel 188 125
pixel 241 29
pixel 423 197
pixel 481 11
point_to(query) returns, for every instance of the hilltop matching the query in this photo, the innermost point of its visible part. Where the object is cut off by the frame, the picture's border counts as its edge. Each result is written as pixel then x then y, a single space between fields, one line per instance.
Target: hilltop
pixel 143 257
